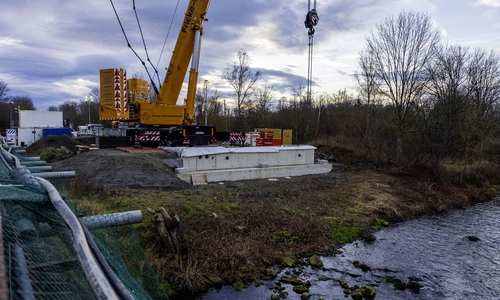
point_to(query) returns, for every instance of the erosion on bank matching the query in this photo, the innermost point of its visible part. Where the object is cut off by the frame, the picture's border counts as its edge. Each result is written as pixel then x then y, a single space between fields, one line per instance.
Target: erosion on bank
pixel 238 231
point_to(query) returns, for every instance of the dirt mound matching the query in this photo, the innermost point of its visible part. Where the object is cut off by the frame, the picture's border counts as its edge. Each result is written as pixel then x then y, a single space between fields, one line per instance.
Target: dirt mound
pixel 114 169
pixel 53 141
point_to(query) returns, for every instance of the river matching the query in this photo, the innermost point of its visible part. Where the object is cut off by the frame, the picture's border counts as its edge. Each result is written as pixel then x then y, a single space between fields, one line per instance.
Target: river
pixel 434 251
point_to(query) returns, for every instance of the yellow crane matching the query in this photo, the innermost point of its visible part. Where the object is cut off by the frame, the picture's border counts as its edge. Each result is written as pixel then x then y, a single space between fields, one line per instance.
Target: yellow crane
pixel 127 101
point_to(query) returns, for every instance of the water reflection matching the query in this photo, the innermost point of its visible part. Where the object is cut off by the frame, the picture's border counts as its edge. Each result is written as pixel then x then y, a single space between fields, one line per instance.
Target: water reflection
pixel 434 251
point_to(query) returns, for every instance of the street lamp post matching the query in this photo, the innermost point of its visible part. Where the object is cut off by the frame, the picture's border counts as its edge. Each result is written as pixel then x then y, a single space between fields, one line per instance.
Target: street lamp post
pixel 11 120
pixel 205 98
pixel 89 99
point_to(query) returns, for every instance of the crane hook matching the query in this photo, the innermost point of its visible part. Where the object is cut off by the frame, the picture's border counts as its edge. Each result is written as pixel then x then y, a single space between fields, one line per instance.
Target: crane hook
pixel 312 20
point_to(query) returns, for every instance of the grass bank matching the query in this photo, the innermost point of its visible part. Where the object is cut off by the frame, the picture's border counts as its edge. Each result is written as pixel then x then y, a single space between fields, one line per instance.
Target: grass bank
pixel 233 232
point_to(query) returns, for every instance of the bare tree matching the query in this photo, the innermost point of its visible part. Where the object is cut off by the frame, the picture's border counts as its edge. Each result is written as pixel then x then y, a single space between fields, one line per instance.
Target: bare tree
pixel 242 79
pixel 395 57
pixel 483 83
pixel 4 91
pixel 260 108
pixel 445 108
pixel 207 105
pixel 70 112
pixel 23 102
pixel 96 93
pixel 369 98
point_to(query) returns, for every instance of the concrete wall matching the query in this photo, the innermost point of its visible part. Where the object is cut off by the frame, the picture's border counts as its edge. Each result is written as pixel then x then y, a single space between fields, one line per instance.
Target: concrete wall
pixel 220 158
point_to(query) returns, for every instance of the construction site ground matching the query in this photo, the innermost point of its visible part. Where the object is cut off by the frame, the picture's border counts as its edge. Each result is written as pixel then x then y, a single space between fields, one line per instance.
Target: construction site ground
pixel 306 214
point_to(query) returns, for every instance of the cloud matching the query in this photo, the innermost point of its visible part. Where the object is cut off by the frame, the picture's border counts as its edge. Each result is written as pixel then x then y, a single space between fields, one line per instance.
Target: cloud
pixel 491 3
pixel 53 50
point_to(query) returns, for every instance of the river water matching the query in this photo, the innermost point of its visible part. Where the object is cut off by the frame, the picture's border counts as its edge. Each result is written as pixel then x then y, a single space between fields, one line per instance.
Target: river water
pixel 434 251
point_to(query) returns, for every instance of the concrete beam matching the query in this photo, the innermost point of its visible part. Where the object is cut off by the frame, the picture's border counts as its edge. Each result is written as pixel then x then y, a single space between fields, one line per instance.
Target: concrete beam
pixel 257 173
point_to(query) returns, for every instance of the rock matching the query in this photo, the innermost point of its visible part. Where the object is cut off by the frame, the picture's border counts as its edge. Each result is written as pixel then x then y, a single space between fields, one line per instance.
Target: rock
pixel 315 261
pixel 271 273
pixel 297 271
pixel 291 280
pixel 238 286
pixel 283 295
pixel 356 295
pixel 279 288
pixel 300 289
pixel 473 238
pixel 287 261
pixel 240 228
pixel 368 292
pixel 275 297
pixel 399 285
pixel 305 296
pixel 343 284
pixel 216 281
pixel 413 286
pixel 258 282
pixel 364 267
pixel 368 237
pixel 323 278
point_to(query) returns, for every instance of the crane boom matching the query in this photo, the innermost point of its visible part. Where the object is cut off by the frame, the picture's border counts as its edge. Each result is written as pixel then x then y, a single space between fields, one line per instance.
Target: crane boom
pixel 128 104
pixel 191 28
pixel 165 110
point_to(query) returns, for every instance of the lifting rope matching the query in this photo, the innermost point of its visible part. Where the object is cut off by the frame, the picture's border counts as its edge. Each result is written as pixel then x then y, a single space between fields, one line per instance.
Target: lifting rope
pixel 168 33
pixel 144 43
pixel 312 20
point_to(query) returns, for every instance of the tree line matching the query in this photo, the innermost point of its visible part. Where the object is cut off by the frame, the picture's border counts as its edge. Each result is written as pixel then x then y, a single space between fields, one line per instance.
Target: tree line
pixel 419 100
pixel 10 105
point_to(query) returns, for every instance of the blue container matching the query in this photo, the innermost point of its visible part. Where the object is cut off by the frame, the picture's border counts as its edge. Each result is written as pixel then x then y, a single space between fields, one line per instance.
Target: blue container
pixel 56 131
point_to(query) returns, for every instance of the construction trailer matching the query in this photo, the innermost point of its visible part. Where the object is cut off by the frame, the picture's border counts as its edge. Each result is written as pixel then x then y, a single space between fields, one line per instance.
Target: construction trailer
pixel 34 125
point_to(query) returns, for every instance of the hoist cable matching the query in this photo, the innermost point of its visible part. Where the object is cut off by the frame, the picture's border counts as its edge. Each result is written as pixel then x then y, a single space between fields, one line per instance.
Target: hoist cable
pixel 168 33
pixel 309 5
pixel 310 54
pixel 309 69
pixel 130 46
pixel 144 43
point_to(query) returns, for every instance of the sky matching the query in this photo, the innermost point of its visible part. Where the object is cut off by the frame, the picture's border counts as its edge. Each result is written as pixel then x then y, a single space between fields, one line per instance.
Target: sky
pixel 52 50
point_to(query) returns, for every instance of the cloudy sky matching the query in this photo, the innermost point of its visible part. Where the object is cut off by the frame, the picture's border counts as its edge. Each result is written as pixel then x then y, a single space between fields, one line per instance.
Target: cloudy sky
pixel 52 50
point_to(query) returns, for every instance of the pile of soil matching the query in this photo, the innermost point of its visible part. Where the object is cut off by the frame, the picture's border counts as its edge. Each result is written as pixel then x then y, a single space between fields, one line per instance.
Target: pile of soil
pixel 114 170
pixel 53 141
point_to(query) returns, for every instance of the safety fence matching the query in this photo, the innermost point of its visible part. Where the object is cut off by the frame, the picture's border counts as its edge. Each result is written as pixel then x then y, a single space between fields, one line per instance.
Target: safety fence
pixel 49 251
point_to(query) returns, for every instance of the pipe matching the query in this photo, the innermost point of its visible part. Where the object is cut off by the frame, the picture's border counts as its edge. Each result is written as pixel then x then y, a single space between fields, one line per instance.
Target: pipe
pixel 30 158
pixel 95 277
pixel 9 158
pixel 39 168
pixel 115 283
pixel 51 175
pixel 22 278
pixel 111 220
pixel 30 163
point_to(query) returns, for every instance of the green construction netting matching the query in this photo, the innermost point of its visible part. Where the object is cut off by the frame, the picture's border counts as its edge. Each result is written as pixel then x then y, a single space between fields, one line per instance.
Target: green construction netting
pixel 38 256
